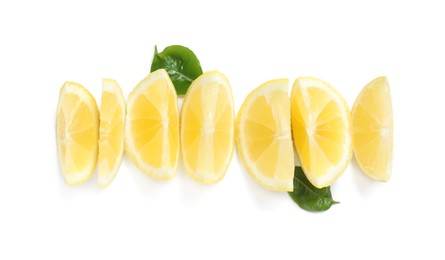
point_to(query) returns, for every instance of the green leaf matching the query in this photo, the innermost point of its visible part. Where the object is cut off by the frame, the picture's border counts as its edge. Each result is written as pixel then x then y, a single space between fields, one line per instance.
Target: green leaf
pixel 181 64
pixel 309 197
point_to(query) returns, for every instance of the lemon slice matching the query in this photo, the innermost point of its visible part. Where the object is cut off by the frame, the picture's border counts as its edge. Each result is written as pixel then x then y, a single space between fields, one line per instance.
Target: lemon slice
pixel 77 124
pixel 152 126
pixel 111 131
pixel 263 136
pixel 372 123
pixel 321 129
pixel 207 121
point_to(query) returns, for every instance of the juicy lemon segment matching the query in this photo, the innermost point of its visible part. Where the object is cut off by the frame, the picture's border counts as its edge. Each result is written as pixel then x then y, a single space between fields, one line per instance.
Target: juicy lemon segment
pixel 321 130
pixel 111 131
pixel 77 124
pixel 372 122
pixel 207 127
pixel 263 135
pixel 152 126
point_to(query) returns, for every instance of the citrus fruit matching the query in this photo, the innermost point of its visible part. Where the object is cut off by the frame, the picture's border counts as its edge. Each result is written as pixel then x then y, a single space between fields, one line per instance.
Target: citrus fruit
pixel 263 135
pixel 207 121
pixel 152 126
pixel 372 124
pixel 321 129
pixel 77 125
pixel 111 131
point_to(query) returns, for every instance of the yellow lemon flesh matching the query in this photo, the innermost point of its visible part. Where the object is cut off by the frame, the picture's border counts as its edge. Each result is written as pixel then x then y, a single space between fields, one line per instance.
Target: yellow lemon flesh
pixel 152 126
pixel 111 131
pixel 77 124
pixel 321 129
pixel 207 127
pixel 372 122
pixel 263 135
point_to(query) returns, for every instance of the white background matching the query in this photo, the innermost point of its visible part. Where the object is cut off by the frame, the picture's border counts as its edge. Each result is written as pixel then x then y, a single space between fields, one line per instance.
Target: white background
pixel 347 43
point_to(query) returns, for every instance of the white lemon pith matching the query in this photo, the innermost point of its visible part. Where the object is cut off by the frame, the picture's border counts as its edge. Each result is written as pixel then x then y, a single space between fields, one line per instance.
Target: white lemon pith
pixel 77 124
pixel 263 135
pixel 321 129
pixel 111 131
pixel 152 126
pixel 207 127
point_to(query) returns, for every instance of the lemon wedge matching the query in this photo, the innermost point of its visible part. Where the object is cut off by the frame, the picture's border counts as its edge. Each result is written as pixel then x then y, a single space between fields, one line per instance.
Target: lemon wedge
pixel 263 135
pixel 207 127
pixel 372 122
pixel 152 126
pixel 111 131
pixel 77 130
pixel 321 129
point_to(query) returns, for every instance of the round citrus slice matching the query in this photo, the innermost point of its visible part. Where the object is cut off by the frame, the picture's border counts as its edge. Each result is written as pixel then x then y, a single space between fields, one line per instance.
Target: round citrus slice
pixel 77 130
pixel 321 129
pixel 111 131
pixel 152 126
pixel 263 135
pixel 207 121
pixel 372 124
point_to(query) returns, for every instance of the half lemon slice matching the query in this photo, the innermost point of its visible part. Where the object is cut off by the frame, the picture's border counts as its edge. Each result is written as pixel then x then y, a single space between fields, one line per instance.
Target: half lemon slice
pixel 263 135
pixel 372 122
pixel 207 122
pixel 111 131
pixel 77 125
pixel 321 129
pixel 152 126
